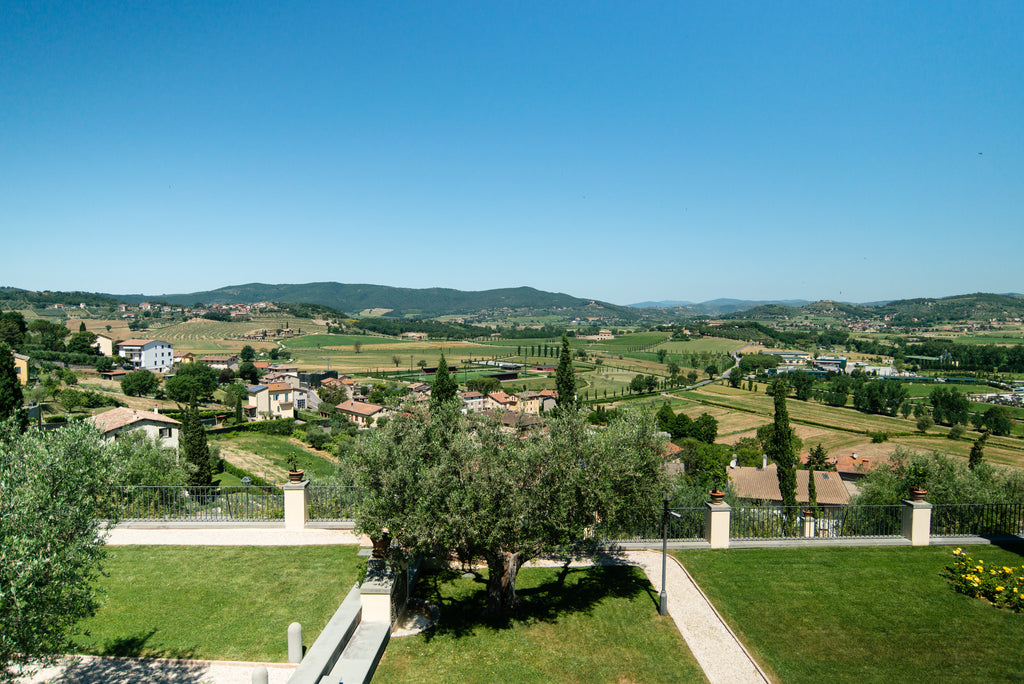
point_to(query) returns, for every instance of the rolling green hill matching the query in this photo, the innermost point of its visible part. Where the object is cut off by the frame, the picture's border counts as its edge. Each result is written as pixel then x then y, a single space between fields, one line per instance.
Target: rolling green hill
pixel 429 302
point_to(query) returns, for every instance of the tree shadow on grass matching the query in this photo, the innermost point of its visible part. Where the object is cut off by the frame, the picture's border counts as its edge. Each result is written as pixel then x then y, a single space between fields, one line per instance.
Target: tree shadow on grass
pixel 92 670
pixel 135 646
pixel 463 600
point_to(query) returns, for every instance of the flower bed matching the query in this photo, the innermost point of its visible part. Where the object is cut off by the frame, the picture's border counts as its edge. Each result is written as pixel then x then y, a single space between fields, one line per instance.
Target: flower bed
pixel 1002 586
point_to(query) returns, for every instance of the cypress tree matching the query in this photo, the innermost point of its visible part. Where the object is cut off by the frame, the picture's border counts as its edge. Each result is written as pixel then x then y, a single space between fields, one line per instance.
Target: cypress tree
pixel 192 447
pixel 444 389
pixel 565 379
pixel 780 447
pixel 978 450
pixel 10 388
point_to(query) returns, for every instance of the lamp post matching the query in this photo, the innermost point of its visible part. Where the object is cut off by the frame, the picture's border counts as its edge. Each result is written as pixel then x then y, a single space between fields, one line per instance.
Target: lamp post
pixel 663 605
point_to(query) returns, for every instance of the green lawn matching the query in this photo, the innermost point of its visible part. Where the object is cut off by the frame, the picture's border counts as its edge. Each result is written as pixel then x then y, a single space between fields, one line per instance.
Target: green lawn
pixel 588 625
pixel 862 614
pixel 216 602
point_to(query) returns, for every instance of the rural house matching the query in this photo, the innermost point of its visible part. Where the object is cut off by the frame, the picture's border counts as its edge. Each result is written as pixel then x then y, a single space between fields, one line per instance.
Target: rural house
pixel 117 421
pixel 153 355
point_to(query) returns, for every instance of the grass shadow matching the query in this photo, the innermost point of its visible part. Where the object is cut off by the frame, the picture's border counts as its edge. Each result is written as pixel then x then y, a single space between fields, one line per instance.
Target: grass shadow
pixel 463 600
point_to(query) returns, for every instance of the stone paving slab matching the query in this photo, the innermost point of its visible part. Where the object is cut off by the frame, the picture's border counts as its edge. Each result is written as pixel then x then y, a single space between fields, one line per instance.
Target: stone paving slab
pixel 99 670
pixel 121 536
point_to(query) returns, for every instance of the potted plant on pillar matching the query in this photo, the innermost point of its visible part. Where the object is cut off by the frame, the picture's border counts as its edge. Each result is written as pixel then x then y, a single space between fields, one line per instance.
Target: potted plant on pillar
pixel 381 543
pixel 719 479
pixel 294 473
pixel 917 477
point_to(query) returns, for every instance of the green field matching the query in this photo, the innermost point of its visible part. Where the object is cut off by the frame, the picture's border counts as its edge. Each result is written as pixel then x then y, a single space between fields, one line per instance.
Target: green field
pixel 862 614
pixel 254 452
pixel 577 625
pixel 215 602
pixel 338 341
pixel 710 345
pixel 641 339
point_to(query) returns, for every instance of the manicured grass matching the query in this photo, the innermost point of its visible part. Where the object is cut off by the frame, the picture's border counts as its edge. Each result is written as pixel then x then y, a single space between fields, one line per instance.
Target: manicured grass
pixel 216 602
pixel 862 614
pixel 579 625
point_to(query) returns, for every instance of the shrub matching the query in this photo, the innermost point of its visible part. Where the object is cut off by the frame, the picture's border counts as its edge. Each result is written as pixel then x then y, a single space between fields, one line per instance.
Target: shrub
pixel 1001 586
pixel 878 437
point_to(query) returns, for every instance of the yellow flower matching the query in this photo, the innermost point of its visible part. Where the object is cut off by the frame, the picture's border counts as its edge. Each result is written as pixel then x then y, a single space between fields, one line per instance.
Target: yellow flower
pixel 1000 588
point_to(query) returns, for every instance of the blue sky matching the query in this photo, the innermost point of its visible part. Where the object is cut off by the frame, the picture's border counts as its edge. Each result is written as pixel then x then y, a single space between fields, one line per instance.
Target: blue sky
pixel 621 151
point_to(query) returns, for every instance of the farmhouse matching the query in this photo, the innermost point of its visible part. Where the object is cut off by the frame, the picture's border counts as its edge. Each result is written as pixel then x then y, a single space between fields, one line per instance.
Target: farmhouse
pixel 362 413
pixel 266 402
pixel 220 362
pixel 21 367
pixel 154 355
pixel 500 400
pixel 474 401
pixel 120 420
pixel 762 484
pixel 104 344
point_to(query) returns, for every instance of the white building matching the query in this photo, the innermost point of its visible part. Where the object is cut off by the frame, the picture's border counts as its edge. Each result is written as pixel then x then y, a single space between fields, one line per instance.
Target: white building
pixel 154 355
pixel 116 421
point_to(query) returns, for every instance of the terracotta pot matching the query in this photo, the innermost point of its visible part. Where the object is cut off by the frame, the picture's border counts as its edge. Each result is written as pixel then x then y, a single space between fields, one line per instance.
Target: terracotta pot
pixel 295 475
pixel 917 494
pixel 717 496
pixel 380 545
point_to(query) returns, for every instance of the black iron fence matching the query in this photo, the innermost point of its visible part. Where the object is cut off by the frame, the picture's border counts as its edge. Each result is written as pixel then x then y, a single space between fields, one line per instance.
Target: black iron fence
pixel 206 504
pixel 333 503
pixel 688 526
pixel 781 522
pixel 957 520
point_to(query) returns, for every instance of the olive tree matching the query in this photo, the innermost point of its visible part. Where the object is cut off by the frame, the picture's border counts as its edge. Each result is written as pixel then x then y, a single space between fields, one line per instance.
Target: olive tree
pixel 55 485
pixel 443 482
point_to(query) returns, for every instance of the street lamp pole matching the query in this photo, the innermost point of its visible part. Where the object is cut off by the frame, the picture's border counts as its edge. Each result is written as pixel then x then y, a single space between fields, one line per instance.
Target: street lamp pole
pixel 663 606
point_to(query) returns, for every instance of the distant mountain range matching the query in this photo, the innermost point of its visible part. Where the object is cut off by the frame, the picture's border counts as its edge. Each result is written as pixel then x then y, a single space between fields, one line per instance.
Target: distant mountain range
pixel 510 304
pixel 717 307
pixel 401 301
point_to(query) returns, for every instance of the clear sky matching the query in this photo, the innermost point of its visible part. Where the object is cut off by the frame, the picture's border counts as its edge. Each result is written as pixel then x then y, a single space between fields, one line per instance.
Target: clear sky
pixel 622 151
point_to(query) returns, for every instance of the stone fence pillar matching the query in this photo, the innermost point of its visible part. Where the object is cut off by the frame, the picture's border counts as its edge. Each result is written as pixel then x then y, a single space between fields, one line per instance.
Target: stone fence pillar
pixel 917 522
pixel 716 525
pixel 296 500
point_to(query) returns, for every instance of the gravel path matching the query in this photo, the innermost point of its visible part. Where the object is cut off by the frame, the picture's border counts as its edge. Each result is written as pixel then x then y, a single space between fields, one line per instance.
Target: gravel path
pixel 719 652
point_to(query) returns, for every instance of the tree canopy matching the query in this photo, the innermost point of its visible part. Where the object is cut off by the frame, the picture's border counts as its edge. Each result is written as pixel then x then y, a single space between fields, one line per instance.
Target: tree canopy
pixel 443 482
pixel 139 383
pixel 192 382
pixel 55 485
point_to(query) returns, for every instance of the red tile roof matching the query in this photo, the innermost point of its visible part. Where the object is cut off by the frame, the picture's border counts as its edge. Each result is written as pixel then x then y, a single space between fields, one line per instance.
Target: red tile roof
pixel 120 417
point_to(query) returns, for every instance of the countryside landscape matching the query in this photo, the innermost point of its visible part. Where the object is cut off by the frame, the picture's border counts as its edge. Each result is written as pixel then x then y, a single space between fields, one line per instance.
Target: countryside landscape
pixel 579 342
pixel 871 391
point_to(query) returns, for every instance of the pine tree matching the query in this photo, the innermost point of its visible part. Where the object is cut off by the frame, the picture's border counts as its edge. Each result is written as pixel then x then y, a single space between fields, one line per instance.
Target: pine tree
pixel 780 446
pixel 193 448
pixel 565 379
pixel 444 389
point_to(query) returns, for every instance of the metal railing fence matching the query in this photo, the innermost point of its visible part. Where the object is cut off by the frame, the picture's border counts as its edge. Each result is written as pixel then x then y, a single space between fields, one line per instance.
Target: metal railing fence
pixel 333 503
pixel 689 526
pixel 206 504
pixel 782 522
pixel 957 520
